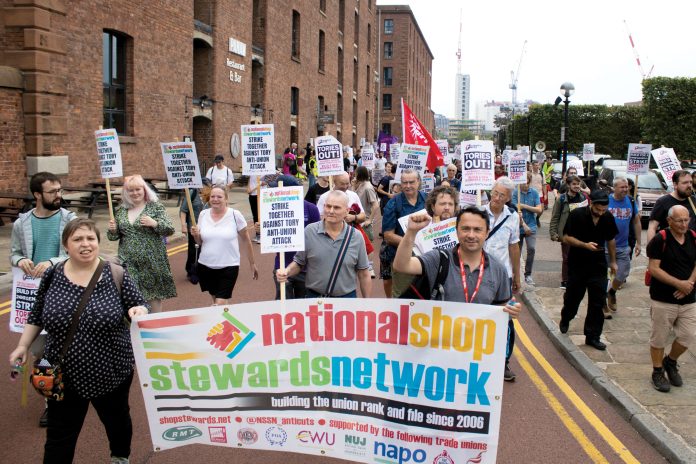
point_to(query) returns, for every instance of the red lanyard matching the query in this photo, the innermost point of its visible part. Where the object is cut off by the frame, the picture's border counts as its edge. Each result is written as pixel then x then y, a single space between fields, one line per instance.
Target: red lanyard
pixel 478 283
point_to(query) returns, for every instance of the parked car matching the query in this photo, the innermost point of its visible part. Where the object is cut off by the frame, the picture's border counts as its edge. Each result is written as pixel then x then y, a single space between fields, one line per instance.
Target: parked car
pixel 650 188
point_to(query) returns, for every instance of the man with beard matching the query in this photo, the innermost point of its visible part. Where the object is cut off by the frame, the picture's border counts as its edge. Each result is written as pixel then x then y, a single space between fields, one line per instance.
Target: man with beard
pixel 36 235
pixel 589 231
pixel 682 196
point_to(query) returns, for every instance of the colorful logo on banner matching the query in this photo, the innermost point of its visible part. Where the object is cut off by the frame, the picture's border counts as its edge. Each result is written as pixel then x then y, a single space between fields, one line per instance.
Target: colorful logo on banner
pixel 230 335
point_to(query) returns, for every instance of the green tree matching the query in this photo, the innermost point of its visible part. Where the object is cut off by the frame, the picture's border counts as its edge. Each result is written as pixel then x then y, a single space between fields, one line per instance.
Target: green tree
pixel 669 114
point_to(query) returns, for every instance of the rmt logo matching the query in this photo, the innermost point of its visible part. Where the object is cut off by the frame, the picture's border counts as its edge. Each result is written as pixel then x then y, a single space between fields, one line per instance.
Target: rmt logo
pixel 400 454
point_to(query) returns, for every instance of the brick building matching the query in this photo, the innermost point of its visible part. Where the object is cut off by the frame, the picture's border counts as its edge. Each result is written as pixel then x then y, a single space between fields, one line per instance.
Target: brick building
pixel 406 63
pixel 161 70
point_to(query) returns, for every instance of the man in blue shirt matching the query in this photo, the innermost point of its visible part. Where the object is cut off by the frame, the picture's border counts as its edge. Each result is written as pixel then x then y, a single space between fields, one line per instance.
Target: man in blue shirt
pixel 625 213
pixel 530 206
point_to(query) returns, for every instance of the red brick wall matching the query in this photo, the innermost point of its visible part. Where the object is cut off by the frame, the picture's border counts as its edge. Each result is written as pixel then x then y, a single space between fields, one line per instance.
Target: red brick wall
pixel 13 169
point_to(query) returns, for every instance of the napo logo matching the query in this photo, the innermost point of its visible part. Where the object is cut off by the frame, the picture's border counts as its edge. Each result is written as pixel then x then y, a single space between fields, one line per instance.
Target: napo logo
pixel 443 458
pixel 317 438
pixel 355 445
pixel 217 434
pixel 398 454
pixel 276 436
pixel 181 433
pixel 247 436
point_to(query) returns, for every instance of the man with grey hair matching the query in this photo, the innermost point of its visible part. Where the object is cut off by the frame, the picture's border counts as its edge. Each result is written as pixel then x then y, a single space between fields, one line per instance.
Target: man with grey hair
pixel 451 178
pixel 502 244
pixel 334 256
pixel 341 183
pixel 623 208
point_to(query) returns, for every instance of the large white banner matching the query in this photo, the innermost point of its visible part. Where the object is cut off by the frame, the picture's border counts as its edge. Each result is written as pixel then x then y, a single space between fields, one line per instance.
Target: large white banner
pixel 329 153
pixel 667 161
pixel 368 380
pixel 109 153
pixel 181 164
pixel 638 158
pixel 411 157
pixel 477 164
pixel 282 219
pixel 24 289
pixel 258 150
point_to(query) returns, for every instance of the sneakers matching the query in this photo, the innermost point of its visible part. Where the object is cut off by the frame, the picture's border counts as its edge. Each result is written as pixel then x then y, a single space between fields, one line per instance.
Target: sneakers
pixel 257 239
pixel 43 420
pixel 659 381
pixel 372 271
pixel 529 281
pixel 564 284
pixel 607 312
pixel 508 376
pixel 672 369
pixel 611 301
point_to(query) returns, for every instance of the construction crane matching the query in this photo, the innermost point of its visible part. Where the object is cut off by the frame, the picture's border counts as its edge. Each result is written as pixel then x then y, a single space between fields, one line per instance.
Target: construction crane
pixel 514 77
pixel 643 74
pixel 459 47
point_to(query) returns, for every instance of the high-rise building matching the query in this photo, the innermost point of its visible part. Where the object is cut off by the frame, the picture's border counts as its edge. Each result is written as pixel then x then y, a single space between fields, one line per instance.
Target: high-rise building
pixel 462 96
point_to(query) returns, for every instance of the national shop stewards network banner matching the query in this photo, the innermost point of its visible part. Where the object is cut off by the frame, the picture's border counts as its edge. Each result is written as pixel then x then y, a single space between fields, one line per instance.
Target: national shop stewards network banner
pixel 369 380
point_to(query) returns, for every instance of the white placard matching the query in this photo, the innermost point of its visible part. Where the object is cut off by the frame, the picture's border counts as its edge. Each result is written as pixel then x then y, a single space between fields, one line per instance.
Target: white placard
pixel 282 219
pixel 24 289
pixel 181 165
pixel 441 235
pixel 109 153
pixel 368 157
pixel 505 157
pixel 443 145
pixel 411 157
pixel 667 161
pixel 588 151
pixel 577 164
pixel 394 150
pixel 638 158
pixel 467 198
pixel 477 164
pixel 377 175
pixel 258 150
pixel 403 220
pixel 428 182
pixel 383 147
pixel 329 154
pixel 517 168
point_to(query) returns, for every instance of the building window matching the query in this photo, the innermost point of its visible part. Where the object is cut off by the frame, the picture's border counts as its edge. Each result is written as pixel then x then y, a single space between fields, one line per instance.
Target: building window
pixel 295 34
pixel 322 6
pixel 388 50
pixel 341 15
pixel 367 125
pixel 356 37
pixel 367 81
pixel 339 108
pixel 355 75
pixel 369 38
pixel 114 80
pixel 369 5
pixel 294 101
pixel 386 128
pixel 322 48
pixel 355 113
pixel 388 76
pixel 388 26
pixel 340 66
pixel 386 101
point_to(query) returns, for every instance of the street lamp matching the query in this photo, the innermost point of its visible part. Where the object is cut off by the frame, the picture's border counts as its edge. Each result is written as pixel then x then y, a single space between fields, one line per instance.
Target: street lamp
pixel 567 90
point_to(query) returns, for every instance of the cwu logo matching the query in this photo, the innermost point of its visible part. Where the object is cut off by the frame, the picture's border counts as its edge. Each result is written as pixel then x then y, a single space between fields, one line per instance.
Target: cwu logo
pixel 398 454
pixel 181 433
pixel 229 336
pixel 317 438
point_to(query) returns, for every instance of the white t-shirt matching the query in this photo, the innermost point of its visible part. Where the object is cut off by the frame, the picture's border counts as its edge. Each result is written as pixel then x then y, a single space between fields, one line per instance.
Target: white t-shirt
pixel 220 240
pixel 221 177
pixel 352 199
pixel 380 164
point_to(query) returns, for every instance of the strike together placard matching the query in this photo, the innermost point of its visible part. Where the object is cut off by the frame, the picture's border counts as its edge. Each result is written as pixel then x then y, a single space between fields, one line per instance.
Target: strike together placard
pixel 367 380
pixel 181 164
pixel 258 150
pixel 109 153
pixel 282 219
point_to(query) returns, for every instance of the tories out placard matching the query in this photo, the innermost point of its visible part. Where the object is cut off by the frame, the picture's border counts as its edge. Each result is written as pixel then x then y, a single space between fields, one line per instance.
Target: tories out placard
pixel 477 164
pixel 109 153
pixel 258 150
pixel 282 219
pixel 329 154
pixel 638 158
pixel 667 161
pixel 411 157
pixel 24 289
pixel 181 164
pixel 368 380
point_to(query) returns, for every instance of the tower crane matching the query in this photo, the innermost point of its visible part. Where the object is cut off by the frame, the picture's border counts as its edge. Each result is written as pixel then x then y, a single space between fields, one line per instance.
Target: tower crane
pixel 643 74
pixel 514 77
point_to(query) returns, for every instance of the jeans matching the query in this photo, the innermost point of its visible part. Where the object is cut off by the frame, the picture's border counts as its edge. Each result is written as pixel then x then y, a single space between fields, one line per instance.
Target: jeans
pixel 531 251
pixel 593 278
pixel 294 287
pixel 65 419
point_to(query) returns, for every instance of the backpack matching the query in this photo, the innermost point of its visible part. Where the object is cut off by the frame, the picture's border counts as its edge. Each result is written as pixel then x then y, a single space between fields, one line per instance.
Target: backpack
pixel 116 272
pixel 663 234
pixel 419 288
pixel 631 230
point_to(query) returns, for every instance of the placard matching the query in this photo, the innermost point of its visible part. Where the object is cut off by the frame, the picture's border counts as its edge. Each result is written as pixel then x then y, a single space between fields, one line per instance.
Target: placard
pixel 667 162
pixel 181 165
pixel 517 168
pixel 368 380
pixel 477 164
pixel 329 154
pixel 377 175
pixel 577 164
pixel 505 157
pixel 411 157
pixel 403 220
pixel 368 156
pixel 383 147
pixel 394 150
pixel 638 158
pixel 428 182
pixel 109 153
pixel 588 151
pixel 438 235
pixel 24 289
pixel 443 145
pixel 282 219
pixel 467 198
pixel 258 150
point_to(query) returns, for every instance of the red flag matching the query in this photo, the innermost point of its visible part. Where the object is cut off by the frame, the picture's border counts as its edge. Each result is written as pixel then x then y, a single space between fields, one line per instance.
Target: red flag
pixel 415 133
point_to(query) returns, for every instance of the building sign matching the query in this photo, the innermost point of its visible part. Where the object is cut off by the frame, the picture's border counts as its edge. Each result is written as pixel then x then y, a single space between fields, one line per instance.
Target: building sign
pixel 237 47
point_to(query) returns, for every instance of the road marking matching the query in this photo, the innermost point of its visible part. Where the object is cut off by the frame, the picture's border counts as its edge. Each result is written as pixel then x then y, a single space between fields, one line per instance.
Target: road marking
pixel 594 454
pixel 585 410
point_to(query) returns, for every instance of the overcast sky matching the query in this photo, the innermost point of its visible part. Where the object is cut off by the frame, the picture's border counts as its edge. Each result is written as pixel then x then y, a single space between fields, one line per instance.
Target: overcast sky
pixel 585 43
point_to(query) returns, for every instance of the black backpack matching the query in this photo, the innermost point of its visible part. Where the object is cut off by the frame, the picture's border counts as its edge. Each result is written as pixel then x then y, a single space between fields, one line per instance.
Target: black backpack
pixel 419 289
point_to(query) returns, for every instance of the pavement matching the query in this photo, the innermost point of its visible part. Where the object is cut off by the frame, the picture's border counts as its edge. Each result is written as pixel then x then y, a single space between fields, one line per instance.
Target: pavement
pixel 621 374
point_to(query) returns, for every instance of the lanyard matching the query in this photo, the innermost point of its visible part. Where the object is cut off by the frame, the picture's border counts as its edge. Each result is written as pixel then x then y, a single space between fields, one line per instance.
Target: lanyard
pixel 478 283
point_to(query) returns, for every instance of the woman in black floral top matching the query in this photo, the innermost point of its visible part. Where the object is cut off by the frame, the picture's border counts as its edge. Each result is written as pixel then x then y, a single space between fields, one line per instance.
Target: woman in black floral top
pixel 98 366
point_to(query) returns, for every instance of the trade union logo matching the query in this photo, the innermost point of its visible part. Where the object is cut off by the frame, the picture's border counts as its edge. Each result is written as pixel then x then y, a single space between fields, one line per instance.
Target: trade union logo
pixel 476 460
pixel 387 453
pixel 247 436
pixel 443 458
pixel 217 434
pixel 229 336
pixel 181 433
pixel 276 436
pixel 355 445
pixel 316 438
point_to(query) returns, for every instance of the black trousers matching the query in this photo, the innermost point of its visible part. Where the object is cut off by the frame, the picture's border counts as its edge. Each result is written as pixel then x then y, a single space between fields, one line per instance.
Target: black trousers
pixel 594 280
pixel 65 419
pixel 191 258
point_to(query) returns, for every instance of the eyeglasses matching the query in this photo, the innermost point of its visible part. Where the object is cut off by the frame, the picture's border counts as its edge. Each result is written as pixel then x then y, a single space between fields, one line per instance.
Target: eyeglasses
pixel 53 192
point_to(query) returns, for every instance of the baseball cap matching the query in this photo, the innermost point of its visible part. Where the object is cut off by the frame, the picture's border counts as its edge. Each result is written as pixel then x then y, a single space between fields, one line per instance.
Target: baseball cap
pixel 219 158
pixel 599 197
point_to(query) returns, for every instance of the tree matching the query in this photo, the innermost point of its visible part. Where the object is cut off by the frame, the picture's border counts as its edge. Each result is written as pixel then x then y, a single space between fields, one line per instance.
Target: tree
pixel 669 116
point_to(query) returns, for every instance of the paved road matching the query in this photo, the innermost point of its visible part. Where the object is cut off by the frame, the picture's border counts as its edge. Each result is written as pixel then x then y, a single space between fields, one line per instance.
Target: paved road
pixel 550 414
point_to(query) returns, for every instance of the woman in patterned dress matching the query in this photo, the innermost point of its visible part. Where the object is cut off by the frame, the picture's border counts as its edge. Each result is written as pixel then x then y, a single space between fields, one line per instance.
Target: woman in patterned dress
pixel 141 223
pixel 98 365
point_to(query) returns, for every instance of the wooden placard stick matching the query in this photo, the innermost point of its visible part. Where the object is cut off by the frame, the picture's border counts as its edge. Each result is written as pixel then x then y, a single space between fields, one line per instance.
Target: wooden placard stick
pixel 281 255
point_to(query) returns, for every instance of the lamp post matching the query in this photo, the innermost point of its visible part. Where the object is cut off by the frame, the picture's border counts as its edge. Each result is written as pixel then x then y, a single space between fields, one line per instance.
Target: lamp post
pixel 567 90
